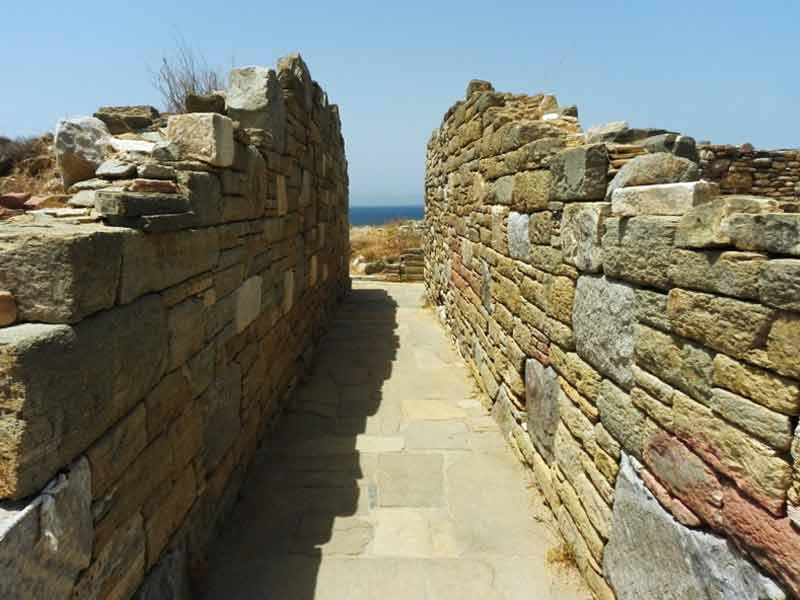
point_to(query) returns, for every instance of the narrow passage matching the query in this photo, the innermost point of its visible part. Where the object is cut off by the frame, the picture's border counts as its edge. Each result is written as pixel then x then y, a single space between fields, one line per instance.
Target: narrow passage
pixel 387 479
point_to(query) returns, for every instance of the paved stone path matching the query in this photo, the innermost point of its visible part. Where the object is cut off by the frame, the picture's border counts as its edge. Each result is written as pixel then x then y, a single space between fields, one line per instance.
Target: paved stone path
pixel 388 479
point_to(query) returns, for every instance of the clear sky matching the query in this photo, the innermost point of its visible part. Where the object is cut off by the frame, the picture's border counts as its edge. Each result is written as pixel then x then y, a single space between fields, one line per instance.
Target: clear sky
pixel 725 71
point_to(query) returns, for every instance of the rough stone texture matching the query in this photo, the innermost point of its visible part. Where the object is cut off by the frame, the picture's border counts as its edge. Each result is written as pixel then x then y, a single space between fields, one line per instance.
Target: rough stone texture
pixel 78 146
pixel 603 323
pixel 653 169
pixel 124 119
pixel 580 173
pixel 46 542
pixel 691 564
pixel 8 309
pixel 582 228
pixel 206 137
pixel 161 350
pixel 706 225
pixel 256 101
pixel 519 244
pixel 779 282
pixel 541 401
pixel 667 199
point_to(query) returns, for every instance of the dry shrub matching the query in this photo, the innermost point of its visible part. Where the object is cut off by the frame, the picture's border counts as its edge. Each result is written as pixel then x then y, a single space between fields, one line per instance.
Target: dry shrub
pixel 562 555
pixel 29 165
pixel 184 72
pixel 383 242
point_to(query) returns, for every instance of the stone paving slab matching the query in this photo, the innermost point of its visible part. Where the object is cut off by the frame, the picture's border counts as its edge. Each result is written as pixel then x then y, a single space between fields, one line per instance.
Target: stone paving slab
pixel 388 479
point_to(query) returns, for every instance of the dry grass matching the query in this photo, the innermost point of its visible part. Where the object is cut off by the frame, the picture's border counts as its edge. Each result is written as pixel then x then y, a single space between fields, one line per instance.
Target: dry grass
pixel 561 556
pixel 383 242
pixel 30 166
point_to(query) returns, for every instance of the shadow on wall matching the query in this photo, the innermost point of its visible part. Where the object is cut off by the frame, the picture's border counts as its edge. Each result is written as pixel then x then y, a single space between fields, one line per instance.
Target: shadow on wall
pixel 309 486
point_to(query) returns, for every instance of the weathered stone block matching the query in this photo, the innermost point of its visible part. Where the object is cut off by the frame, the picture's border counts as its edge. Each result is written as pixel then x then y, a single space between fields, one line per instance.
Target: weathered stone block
pixel 667 199
pixel 638 249
pixel 66 385
pixel 731 326
pixel 758 470
pixel 731 273
pixel 628 425
pixel 651 169
pixel 679 362
pixel 532 190
pixel 112 453
pixel 47 542
pixel 541 400
pixel 603 320
pixel 706 225
pixel 772 428
pixel 774 232
pixel 131 204
pixel 768 389
pixel 248 302
pixel 580 173
pixel 582 228
pixel 691 564
pixel 62 273
pixel 519 243
pixel 145 267
pixel 207 137
pixel 78 145
pixel 779 284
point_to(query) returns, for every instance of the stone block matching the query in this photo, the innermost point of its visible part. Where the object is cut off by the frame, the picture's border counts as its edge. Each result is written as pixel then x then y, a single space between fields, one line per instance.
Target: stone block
pixel 779 284
pixel 705 225
pixel 61 273
pixel 68 385
pixel 519 243
pixel 637 249
pixel 680 363
pixel 580 173
pixel 207 137
pixel 205 196
pixel 118 568
pixel 628 425
pixel 46 542
pixel 731 273
pixel 248 302
pixel 783 346
pixel 541 401
pixel 732 326
pixel 222 402
pixel 667 199
pixel 8 309
pixel 768 389
pixel 582 228
pixel 136 204
pixel 532 190
pixel 772 428
pixel 652 169
pixel 78 145
pixel 691 564
pixel 112 453
pixel 603 321
pixel 124 119
pixel 778 233
pixel 154 262
pixel 758 470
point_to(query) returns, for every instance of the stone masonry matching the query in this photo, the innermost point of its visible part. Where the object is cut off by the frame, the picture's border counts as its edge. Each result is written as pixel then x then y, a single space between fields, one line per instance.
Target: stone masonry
pixel 637 335
pixel 152 332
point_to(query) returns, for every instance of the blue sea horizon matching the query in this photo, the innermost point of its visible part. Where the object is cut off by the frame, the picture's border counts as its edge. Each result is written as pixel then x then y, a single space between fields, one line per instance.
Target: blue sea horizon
pixel 380 215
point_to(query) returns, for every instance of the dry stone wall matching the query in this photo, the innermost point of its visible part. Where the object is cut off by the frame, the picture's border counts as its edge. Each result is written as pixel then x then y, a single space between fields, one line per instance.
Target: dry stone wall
pixel 156 329
pixel 744 170
pixel 636 334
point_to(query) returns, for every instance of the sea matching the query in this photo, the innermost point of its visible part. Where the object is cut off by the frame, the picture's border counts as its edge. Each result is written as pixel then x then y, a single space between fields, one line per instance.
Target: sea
pixel 380 215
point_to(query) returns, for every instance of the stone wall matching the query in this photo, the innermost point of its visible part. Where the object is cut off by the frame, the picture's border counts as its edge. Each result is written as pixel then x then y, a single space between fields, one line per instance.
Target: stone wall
pixel 744 170
pixel 155 329
pixel 636 335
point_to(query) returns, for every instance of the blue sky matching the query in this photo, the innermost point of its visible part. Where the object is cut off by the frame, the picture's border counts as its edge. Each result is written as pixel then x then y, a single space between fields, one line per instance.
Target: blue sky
pixel 725 71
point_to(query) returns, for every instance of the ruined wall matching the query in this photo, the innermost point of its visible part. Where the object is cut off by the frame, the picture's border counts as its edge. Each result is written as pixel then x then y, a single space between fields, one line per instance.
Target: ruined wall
pixel 744 170
pixel 636 336
pixel 156 328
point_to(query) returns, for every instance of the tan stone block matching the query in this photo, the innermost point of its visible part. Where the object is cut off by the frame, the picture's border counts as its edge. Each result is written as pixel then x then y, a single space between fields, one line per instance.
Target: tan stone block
pixel 705 225
pixel 637 249
pixel 576 371
pixel 731 326
pixel 674 360
pixel 571 501
pixel 783 345
pixel 170 513
pixel 532 189
pixel 166 401
pixel 207 137
pixel 730 273
pixel 757 469
pixel 768 389
pixel 770 427
pixel 8 309
pixel 658 412
pixel 560 294
pixel 627 424
pixel 667 199
pixel 112 453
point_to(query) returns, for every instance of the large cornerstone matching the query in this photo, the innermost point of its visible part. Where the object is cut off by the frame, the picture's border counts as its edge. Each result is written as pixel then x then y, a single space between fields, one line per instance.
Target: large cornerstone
pixel 635 329
pixel 159 326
